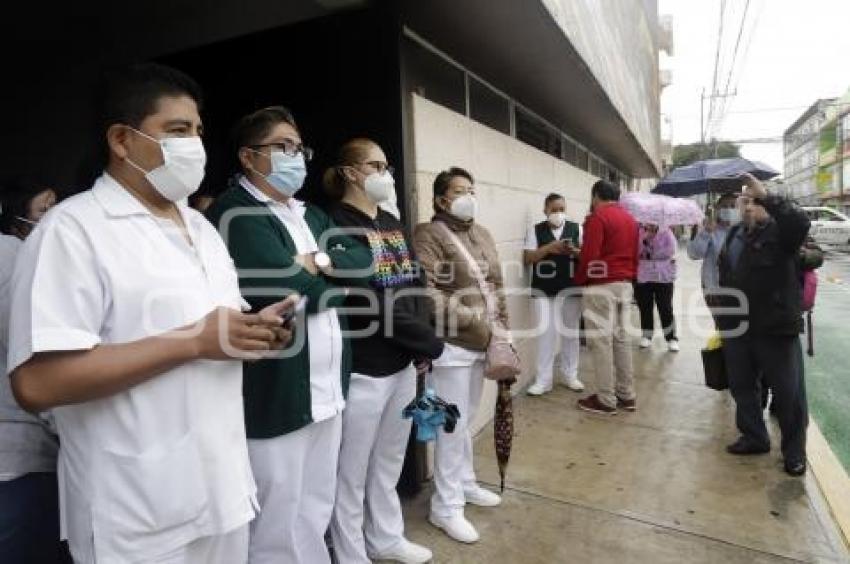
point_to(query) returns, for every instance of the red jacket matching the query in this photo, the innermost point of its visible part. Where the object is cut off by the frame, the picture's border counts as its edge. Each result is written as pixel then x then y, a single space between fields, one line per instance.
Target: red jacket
pixel 609 247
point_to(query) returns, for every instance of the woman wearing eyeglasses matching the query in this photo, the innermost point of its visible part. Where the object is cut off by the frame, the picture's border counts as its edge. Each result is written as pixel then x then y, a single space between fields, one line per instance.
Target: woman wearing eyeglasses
pixel 294 404
pixel 655 277
pixel 396 342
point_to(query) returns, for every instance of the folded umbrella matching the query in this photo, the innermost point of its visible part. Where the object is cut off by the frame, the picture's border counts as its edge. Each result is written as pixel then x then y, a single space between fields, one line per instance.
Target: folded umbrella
pixel 503 428
pixel 712 175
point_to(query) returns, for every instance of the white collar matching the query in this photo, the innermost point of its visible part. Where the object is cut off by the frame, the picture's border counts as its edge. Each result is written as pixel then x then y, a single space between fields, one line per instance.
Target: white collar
pixel 115 199
pixel 257 194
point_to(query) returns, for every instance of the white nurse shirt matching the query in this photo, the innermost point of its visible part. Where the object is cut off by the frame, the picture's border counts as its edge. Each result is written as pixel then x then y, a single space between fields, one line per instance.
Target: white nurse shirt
pixel 157 466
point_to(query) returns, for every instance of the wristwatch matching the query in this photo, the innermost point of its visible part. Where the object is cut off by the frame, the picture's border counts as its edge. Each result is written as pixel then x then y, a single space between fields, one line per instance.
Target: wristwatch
pixel 323 262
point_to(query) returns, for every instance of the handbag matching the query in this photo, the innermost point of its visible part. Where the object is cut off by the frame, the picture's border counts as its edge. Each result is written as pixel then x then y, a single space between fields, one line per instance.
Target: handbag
pixel 714 367
pixel 501 361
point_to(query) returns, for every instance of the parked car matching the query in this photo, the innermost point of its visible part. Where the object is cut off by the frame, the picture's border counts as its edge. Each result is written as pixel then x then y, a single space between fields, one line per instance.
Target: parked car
pixel 829 227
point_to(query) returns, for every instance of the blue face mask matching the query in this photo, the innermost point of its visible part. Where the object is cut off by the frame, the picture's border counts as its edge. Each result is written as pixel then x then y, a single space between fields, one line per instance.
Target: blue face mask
pixel 288 173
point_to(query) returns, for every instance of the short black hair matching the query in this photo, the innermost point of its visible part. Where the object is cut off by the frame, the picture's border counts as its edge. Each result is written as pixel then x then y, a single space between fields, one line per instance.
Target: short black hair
pixel 605 191
pixel 251 129
pixel 131 93
pixel 441 183
pixel 551 198
pixel 16 195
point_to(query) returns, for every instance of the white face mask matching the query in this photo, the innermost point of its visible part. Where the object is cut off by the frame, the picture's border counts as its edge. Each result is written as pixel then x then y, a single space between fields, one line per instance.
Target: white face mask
pixel 391 205
pixel 379 187
pixel 557 219
pixel 464 207
pixel 182 169
pixel 729 215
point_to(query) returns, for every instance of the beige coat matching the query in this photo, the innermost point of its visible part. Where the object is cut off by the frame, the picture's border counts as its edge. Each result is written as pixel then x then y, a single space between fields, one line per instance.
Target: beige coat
pixel 460 309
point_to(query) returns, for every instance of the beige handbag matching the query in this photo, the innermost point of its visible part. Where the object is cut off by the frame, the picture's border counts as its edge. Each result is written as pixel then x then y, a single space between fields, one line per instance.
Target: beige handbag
pixel 501 362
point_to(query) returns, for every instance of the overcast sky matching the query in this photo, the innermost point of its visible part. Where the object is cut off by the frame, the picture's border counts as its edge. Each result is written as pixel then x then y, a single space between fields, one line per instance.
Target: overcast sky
pixel 791 53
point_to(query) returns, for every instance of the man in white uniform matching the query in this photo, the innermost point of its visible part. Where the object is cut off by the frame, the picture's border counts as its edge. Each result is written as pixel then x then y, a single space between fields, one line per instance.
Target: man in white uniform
pixel 551 248
pixel 125 321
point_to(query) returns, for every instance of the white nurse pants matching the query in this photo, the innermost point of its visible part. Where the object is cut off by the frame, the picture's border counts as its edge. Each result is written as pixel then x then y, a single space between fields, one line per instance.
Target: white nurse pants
pixel 296 485
pixel 367 516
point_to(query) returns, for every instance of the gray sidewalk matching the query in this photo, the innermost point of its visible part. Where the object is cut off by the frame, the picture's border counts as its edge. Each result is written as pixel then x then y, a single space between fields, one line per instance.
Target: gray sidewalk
pixel 652 486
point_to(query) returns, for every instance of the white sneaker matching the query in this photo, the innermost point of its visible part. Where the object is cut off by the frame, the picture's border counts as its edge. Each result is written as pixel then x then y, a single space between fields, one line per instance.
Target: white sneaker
pixel 481 497
pixel 536 390
pixel 457 527
pixel 573 383
pixel 673 345
pixel 405 552
pixel 645 343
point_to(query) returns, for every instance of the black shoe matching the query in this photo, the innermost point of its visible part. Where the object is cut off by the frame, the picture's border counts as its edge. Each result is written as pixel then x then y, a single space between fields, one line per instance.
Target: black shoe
pixel 746 446
pixel 795 467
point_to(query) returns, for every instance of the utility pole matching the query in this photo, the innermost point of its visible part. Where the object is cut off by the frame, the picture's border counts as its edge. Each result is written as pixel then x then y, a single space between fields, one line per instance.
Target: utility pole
pixel 702 124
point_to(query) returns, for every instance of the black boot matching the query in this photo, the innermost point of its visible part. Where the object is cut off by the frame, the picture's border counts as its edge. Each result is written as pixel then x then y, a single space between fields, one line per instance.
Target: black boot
pixel 744 446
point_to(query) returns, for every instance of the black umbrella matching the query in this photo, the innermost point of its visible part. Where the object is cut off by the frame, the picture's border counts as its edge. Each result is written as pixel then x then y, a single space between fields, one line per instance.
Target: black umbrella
pixel 713 175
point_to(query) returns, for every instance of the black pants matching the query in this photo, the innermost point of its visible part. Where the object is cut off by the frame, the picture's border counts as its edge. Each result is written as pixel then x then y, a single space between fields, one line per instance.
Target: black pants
pixel 29 520
pixel 779 362
pixel 656 294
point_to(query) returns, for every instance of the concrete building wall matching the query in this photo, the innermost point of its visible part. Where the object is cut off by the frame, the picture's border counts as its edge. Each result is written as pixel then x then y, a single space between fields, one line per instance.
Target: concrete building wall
pixel 618 41
pixel 512 179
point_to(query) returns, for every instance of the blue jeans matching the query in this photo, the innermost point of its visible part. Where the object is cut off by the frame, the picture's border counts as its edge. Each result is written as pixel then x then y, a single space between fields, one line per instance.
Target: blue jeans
pixel 29 520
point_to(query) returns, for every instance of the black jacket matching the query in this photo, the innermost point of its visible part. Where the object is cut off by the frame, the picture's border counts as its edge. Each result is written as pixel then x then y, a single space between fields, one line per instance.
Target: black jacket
pixel 767 272
pixel 403 334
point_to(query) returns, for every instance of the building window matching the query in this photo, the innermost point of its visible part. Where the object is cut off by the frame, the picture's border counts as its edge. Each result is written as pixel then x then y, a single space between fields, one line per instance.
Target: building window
pixel 489 107
pixel 582 159
pixel 570 153
pixel 594 166
pixel 432 77
pixel 536 133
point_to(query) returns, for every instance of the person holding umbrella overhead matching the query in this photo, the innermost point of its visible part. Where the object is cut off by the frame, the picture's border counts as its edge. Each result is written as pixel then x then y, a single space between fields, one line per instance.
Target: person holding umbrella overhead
pixel 656 275
pixel 708 241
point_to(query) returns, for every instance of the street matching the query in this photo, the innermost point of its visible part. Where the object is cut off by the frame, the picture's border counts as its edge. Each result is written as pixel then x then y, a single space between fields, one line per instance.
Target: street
pixel 828 372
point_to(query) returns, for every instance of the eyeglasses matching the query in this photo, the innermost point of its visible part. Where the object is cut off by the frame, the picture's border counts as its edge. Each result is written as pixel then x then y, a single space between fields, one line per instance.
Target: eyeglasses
pixel 380 166
pixel 287 148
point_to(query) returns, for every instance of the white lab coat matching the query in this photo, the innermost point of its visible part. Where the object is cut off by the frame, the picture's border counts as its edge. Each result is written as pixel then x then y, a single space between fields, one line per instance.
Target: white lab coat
pixel 165 463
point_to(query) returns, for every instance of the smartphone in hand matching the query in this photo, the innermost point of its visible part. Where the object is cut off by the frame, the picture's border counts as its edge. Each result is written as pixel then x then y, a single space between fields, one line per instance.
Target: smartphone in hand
pixel 293 312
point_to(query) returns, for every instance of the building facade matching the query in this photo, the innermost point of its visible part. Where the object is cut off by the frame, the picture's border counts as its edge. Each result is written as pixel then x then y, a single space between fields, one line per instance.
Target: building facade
pixel 802 150
pixel 833 178
pixel 817 154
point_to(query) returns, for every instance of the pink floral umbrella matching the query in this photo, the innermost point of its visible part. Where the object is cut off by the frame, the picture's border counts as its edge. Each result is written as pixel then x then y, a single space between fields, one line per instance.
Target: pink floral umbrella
pixel 662 210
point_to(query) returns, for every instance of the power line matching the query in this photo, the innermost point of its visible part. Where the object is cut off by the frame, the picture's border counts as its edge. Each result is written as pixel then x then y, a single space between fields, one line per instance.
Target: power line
pixel 763 110
pixel 745 57
pixel 711 101
pixel 723 103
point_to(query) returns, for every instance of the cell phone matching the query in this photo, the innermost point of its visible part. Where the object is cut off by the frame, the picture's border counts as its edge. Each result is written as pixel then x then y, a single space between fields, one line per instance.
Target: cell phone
pixel 293 312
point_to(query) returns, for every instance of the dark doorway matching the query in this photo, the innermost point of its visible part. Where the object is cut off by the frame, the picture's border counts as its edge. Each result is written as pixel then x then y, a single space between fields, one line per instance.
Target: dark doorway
pixel 338 75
